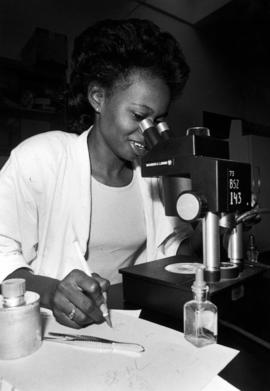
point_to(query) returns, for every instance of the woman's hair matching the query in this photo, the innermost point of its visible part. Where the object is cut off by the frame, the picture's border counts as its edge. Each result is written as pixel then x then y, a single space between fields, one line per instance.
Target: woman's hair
pixel 110 50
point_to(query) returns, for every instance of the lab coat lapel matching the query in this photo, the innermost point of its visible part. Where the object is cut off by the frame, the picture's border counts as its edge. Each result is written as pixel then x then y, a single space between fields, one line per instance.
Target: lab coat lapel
pixel 158 226
pixel 82 192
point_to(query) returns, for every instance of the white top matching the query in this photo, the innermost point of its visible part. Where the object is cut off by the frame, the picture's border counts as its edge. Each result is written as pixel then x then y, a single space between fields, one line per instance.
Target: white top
pixel 45 204
pixel 118 233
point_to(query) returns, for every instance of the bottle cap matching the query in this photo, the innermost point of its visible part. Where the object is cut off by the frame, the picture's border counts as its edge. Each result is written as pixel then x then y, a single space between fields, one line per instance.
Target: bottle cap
pixel 198 131
pixel 13 287
pixel 199 284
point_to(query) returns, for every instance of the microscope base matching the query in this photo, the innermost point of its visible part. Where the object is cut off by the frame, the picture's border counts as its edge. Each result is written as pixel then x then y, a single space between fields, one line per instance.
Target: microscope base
pixel 150 286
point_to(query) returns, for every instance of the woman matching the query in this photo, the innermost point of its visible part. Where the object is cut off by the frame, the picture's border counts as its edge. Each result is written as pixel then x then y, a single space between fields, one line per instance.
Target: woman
pixel 61 192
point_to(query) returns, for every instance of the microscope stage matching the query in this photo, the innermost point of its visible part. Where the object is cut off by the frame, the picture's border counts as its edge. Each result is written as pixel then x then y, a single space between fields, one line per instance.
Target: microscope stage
pixel 154 287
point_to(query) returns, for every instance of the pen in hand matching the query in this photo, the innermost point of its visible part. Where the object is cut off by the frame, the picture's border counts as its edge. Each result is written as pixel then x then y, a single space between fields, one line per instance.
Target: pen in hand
pixel 103 307
pixel 105 311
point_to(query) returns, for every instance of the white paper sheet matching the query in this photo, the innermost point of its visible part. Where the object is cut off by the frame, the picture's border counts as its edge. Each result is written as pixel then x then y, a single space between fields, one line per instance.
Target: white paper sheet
pixel 219 384
pixel 168 363
pixel 5 386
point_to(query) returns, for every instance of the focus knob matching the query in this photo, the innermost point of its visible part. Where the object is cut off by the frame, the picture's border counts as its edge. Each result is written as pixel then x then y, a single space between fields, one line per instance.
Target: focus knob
pixel 191 206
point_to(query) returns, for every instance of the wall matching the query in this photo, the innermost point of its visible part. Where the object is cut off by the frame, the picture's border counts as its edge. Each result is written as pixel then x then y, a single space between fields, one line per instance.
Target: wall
pixel 18 19
pixel 17 24
pixel 218 83
pixel 213 83
pixel 190 11
pixel 211 87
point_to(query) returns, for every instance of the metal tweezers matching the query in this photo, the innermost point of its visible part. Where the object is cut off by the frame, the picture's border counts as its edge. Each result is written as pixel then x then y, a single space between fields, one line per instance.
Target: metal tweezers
pixel 96 342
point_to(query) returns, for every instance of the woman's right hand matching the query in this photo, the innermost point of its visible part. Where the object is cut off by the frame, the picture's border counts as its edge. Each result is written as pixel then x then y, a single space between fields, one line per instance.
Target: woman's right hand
pixel 77 299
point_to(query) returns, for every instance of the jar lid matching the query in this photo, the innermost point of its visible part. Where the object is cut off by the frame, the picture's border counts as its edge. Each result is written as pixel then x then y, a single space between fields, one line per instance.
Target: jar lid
pixel 13 287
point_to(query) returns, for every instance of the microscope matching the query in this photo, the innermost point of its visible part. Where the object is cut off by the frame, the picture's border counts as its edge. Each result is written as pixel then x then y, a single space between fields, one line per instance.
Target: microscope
pixel 220 190
pixel 218 196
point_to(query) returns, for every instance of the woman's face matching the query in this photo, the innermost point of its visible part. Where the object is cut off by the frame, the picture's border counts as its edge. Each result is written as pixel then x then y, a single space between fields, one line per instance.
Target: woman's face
pixel 121 112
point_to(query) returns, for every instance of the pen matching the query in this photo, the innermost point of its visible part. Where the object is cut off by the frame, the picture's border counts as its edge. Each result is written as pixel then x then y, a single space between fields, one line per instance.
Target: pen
pixel 103 307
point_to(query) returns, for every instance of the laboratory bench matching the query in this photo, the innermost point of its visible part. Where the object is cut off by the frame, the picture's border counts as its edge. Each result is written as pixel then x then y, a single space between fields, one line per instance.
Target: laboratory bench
pixel 248 371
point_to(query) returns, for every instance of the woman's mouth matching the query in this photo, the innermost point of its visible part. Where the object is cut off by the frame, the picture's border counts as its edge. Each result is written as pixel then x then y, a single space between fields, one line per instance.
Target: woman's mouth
pixel 138 148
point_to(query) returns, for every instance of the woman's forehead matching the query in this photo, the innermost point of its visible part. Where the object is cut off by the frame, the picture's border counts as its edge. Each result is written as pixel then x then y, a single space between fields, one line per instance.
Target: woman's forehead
pixel 140 87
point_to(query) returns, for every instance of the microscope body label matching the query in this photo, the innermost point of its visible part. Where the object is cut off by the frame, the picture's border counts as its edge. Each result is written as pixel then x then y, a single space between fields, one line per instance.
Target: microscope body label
pixel 238 193
pixel 235 193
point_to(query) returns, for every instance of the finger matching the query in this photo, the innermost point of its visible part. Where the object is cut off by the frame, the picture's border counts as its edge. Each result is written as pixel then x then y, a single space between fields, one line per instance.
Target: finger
pixel 87 308
pixel 74 324
pixel 84 292
pixel 62 309
pixel 76 317
pixel 63 319
pixel 66 309
pixel 90 286
pixel 92 289
pixel 78 280
pixel 68 296
pixel 65 312
pixel 103 283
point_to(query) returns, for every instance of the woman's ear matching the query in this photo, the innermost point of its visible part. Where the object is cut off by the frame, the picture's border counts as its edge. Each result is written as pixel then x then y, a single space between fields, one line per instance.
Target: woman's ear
pixel 96 96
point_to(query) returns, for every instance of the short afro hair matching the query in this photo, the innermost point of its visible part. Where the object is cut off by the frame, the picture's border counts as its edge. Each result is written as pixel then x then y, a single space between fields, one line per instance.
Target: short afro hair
pixel 110 50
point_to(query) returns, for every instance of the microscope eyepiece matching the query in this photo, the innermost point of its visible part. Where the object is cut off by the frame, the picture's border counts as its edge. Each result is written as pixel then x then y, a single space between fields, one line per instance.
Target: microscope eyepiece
pixel 145 124
pixel 164 130
pixel 150 133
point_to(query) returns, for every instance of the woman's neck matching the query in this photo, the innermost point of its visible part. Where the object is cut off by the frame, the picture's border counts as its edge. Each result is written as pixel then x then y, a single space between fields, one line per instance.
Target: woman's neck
pixel 106 167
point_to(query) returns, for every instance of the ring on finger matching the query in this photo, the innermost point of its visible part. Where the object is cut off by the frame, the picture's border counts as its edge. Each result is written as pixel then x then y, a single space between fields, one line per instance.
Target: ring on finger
pixel 71 315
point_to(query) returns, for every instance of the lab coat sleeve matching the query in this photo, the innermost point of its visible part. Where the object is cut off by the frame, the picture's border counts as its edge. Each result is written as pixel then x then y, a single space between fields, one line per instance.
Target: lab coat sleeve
pixel 180 231
pixel 177 232
pixel 164 233
pixel 18 218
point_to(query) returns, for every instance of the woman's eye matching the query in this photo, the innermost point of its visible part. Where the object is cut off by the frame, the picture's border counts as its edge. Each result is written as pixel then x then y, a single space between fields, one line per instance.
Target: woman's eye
pixel 157 121
pixel 138 117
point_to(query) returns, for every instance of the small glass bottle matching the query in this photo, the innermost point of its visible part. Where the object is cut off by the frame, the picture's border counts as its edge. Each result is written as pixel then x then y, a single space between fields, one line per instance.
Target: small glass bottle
pixel 200 314
pixel 252 251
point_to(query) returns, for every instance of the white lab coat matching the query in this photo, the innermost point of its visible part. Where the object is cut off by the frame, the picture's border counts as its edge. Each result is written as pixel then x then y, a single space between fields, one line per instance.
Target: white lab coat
pixel 45 204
